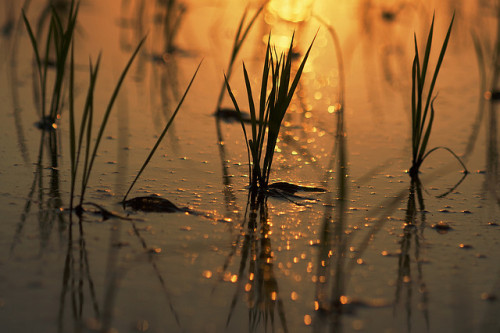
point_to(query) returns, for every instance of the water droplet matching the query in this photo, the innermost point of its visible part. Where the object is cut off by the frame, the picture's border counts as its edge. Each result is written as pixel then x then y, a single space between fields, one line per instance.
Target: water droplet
pixel 142 325
pixel 357 324
pixel 488 297
pixel 93 324
pixel 441 227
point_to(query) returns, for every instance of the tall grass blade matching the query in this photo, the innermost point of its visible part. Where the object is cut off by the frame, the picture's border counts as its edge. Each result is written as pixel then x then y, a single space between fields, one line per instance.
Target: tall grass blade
pixel 72 134
pixel 418 115
pixel 237 44
pixel 248 142
pixel 427 52
pixel 106 117
pixel 425 140
pixel 251 104
pixel 160 138
pixel 438 67
pixel 86 122
pixel 414 108
pixel 451 152
pixel 299 72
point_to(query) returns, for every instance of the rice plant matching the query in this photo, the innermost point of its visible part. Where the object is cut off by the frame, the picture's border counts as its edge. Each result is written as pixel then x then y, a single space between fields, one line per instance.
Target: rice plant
pixel 422 111
pixel 86 124
pixel 59 39
pixel 272 108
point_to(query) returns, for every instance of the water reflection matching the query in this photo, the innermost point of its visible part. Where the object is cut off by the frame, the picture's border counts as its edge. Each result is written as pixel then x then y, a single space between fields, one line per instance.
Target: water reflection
pixel 85 304
pixel 49 206
pixel 160 58
pixel 291 10
pixel 256 285
pixel 16 105
pixel 332 253
pixel 9 21
pixel 163 16
pixel 286 17
pixel 487 49
pixel 413 232
pixel 492 181
pixel 77 282
pixel 255 281
pixel 384 51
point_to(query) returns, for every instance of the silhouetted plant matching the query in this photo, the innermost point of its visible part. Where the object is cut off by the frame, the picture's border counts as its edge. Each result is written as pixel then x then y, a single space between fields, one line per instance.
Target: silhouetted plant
pixel 422 119
pixel 272 108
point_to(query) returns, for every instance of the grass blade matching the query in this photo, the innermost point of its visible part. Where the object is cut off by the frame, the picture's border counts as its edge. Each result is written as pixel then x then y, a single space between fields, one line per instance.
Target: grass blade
pixel 72 135
pixel 250 103
pixel 299 72
pixel 106 115
pixel 249 148
pixel 451 152
pixel 160 138
pixel 425 139
pixel 238 42
pixel 438 65
pixel 427 51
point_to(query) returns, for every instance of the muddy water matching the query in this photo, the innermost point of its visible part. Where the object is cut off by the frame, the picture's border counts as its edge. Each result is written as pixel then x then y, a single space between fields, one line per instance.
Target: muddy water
pixel 368 255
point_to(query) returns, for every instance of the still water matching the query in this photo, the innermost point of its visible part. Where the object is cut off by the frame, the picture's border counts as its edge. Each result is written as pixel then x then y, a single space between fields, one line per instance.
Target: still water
pixel 376 252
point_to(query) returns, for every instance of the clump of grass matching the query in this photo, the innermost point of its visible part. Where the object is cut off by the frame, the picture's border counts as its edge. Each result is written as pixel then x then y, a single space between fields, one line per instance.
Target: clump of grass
pixel 422 111
pixel 58 40
pixel 86 123
pixel 272 107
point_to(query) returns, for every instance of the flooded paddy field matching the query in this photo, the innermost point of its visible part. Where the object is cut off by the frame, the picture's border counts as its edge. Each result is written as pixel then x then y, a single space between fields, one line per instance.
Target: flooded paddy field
pixel 371 249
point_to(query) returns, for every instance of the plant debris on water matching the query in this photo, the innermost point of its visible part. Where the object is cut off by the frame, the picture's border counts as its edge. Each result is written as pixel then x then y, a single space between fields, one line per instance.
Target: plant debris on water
pixel 152 204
